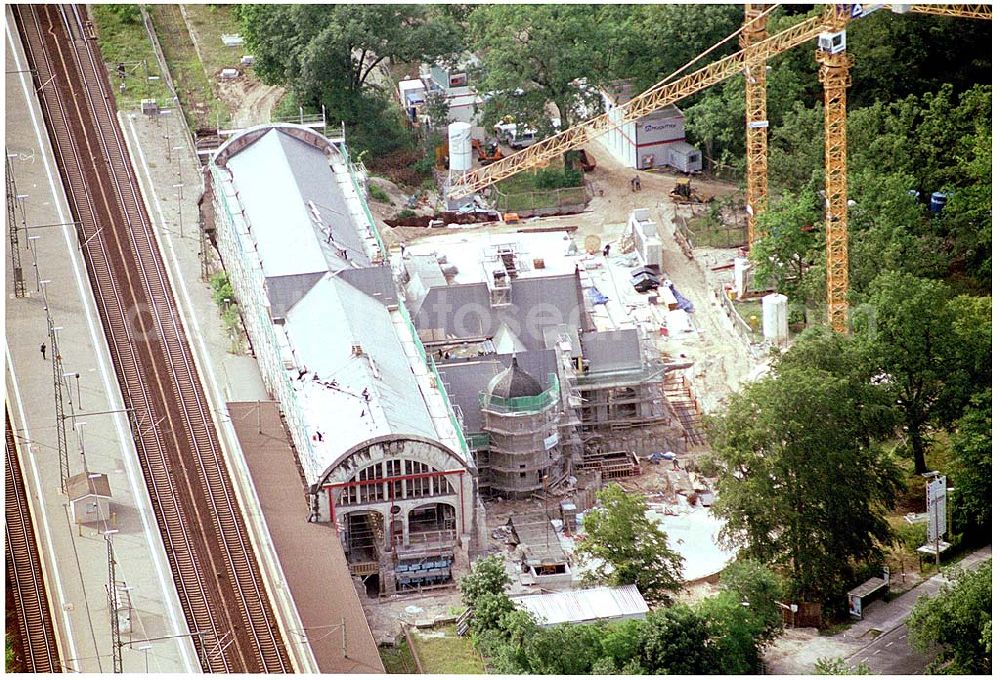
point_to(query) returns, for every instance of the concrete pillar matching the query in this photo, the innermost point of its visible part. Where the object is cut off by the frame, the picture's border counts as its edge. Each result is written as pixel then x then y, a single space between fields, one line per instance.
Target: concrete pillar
pixel 775 318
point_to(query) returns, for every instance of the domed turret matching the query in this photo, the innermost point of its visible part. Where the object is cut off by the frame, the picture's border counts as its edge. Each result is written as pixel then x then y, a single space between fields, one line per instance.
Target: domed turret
pixel 514 383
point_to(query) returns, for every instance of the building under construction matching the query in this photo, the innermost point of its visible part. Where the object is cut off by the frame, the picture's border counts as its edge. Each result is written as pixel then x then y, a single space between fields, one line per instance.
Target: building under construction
pixel 541 387
pixel 380 449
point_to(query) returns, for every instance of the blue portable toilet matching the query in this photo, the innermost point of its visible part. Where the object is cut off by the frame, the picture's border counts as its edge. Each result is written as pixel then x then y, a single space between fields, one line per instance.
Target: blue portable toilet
pixel 938 199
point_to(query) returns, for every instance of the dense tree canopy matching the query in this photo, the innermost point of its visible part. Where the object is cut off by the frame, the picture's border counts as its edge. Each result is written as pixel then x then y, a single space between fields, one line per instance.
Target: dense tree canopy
pixel 911 347
pixel 535 55
pixel 802 486
pixel 958 619
pixel 330 55
pixel 973 446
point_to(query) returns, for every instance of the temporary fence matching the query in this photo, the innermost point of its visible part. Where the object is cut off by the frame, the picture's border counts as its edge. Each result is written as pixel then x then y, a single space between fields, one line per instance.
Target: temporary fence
pixel 540 200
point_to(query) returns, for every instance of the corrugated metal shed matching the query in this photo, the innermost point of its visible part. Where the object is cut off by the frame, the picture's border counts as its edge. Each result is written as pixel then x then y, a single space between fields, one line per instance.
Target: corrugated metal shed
pixel 583 606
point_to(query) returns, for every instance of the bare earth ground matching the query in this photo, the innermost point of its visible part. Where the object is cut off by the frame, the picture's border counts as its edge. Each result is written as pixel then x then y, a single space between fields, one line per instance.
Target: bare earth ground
pixel 250 101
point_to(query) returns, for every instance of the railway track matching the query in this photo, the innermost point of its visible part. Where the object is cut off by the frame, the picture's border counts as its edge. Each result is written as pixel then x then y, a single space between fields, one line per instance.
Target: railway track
pixel 215 570
pixel 24 570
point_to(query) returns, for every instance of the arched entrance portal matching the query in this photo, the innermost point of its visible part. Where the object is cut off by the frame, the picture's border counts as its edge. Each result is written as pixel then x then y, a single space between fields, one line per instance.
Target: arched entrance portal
pixel 404 506
pixel 431 523
pixel 426 555
pixel 363 535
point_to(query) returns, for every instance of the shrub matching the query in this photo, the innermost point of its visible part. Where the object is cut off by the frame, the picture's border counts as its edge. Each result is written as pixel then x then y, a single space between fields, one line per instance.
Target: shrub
pixel 126 14
pixel 555 178
pixel 378 194
pixel 222 289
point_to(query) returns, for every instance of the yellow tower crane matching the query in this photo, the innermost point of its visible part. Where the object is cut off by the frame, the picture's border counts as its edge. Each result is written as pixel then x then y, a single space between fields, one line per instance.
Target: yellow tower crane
pixel 757 48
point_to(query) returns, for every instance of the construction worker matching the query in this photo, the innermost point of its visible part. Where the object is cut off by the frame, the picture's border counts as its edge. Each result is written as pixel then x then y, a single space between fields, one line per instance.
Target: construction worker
pixel 42 348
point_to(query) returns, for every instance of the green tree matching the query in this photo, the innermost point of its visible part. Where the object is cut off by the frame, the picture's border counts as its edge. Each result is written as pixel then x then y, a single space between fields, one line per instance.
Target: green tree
pixel 534 55
pixel 676 640
pixel 787 255
pixel 315 48
pixel 972 358
pixel 483 589
pixel 620 644
pixel 488 576
pixel 802 486
pixel 889 230
pixel 692 28
pixel 437 109
pixel 838 666
pixel 506 645
pixel 973 446
pixel 759 587
pixel 968 213
pixel 330 55
pixel 629 547
pixel 957 619
pixel 911 349
pixel 735 633
pixel 566 649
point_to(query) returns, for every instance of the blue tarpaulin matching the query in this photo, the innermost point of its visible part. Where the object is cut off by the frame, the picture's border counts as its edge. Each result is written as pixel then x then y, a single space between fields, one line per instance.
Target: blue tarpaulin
pixel 682 301
pixel 596 297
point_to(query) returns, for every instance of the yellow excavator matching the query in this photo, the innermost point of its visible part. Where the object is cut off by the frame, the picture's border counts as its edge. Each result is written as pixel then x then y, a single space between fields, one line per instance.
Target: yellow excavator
pixel 684 193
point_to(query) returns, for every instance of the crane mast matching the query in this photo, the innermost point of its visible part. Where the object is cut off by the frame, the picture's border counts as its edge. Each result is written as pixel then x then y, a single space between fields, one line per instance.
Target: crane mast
pixel 834 74
pixel 754 32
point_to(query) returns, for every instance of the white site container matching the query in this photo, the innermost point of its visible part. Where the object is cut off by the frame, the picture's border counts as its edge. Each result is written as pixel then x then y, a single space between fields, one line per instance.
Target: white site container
pixel 460 147
pixel 775 318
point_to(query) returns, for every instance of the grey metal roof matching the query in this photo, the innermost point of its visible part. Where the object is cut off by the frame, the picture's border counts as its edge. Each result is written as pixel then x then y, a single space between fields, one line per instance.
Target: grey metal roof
pixel 465 310
pixel 464 380
pixel 513 383
pixel 538 363
pixel 317 186
pixel 285 182
pixel 87 484
pixel 284 291
pixel 541 302
pixel 325 325
pixel 555 334
pixel 612 350
pixel 579 606
pixel 374 281
pixel 462 310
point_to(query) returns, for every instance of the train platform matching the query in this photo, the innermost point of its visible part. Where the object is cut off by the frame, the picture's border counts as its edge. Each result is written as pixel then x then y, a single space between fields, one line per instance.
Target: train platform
pixel 153 632
pixel 311 555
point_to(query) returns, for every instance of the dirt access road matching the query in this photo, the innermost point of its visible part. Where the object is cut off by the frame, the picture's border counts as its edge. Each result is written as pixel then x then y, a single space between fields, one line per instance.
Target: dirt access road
pixel 250 101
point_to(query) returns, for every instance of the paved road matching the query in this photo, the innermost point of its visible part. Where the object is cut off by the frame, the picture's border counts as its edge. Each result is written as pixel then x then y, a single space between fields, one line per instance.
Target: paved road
pixel 890 652
pixel 887 654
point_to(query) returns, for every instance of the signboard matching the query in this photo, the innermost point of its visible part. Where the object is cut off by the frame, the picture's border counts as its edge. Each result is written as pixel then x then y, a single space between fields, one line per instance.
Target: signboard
pixel 551 440
pixel 854 605
pixel 936 508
